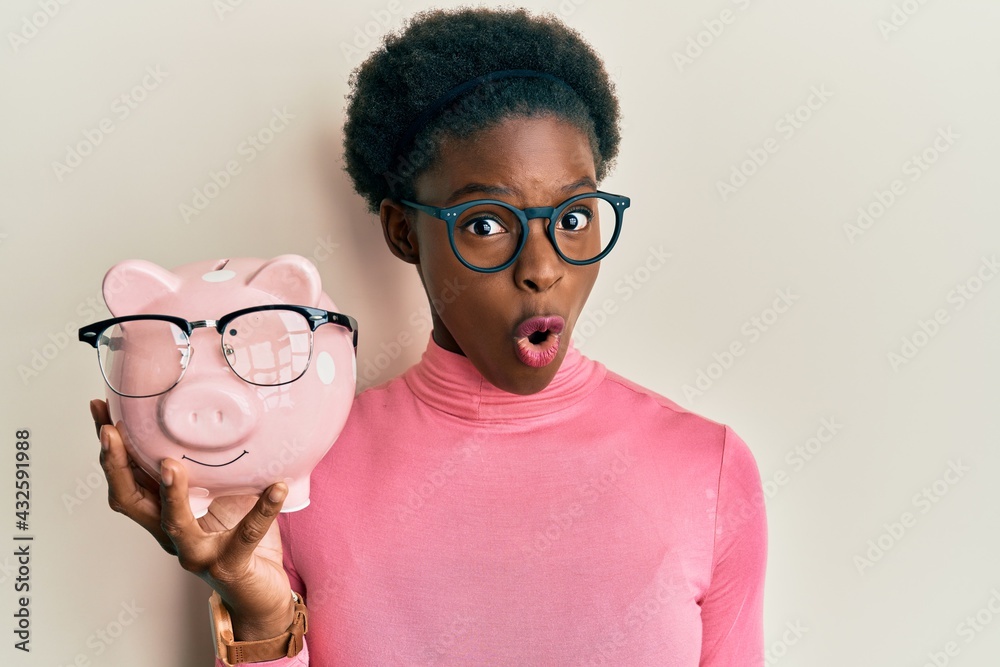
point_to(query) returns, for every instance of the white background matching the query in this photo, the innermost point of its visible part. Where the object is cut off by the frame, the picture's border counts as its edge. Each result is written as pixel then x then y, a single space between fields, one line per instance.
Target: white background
pixel 893 77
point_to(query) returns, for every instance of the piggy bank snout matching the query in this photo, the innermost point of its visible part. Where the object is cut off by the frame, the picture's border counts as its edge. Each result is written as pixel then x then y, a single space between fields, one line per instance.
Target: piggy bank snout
pixel 208 415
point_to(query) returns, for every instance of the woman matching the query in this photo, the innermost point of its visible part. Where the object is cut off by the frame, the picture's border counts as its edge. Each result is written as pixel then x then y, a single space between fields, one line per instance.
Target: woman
pixel 506 500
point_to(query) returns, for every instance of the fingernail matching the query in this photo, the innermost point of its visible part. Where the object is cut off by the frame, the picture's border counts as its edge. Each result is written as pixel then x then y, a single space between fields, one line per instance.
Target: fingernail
pixel 276 494
pixel 167 475
pixel 105 443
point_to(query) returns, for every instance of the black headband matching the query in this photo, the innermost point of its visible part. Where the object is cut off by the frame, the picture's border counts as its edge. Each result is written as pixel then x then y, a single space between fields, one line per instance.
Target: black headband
pixel 404 141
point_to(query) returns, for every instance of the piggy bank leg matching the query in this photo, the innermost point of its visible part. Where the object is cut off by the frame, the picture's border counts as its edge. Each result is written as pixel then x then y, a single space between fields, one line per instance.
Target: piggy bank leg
pixel 298 495
pixel 199 500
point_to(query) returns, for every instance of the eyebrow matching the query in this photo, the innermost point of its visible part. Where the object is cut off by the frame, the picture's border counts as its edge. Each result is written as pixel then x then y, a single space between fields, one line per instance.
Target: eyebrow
pixel 498 190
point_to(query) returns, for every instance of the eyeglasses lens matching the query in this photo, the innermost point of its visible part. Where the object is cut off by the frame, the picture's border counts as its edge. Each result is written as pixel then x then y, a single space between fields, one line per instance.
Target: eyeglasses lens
pixel 143 357
pixel 268 347
pixel 585 228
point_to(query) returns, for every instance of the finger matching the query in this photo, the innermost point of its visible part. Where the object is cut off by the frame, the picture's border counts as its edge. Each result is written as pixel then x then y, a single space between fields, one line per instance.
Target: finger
pixel 177 519
pixel 248 533
pixel 143 478
pixel 99 411
pixel 124 494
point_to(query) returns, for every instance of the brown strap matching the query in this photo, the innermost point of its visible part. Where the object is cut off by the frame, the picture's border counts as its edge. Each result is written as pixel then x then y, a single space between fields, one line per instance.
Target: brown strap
pixel 287 644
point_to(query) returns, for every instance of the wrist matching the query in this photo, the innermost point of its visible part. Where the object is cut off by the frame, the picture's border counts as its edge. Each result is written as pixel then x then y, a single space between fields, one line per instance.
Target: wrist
pixel 253 628
pixel 232 649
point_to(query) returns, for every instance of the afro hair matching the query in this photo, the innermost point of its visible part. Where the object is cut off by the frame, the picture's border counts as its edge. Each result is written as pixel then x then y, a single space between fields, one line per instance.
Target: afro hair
pixel 440 49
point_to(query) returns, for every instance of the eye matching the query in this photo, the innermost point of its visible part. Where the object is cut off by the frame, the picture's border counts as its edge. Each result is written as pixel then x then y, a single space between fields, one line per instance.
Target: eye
pixel 575 220
pixel 484 226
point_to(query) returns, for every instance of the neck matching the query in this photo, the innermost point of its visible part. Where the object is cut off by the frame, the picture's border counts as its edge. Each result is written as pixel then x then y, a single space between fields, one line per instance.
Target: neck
pixel 449 382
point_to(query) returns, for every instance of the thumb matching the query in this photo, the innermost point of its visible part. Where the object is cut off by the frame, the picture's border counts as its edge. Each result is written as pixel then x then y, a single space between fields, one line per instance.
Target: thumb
pixel 251 530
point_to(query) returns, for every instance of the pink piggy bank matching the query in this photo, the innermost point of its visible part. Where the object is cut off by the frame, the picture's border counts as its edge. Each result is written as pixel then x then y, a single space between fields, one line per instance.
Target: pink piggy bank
pixel 241 369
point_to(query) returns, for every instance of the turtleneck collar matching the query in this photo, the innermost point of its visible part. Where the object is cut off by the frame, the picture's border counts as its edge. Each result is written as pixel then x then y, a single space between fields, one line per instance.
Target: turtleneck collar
pixel 448 381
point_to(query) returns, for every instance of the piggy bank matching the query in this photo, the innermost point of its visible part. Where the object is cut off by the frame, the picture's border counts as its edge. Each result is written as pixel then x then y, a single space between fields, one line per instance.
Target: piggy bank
pixel 241 369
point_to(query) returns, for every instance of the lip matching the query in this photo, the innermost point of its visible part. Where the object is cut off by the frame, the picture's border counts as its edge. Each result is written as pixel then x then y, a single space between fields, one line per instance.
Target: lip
pixel 215 465
pixel 542 353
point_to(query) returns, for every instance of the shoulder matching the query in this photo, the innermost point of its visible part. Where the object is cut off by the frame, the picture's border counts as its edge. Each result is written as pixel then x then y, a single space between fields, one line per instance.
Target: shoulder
pixel 389 393
pixel 709 453
pixel 687 431
pixel 627 387
pixel 647 404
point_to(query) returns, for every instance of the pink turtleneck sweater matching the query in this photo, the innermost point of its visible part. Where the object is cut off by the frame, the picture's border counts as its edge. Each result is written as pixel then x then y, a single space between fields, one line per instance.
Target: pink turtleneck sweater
pixel 592 523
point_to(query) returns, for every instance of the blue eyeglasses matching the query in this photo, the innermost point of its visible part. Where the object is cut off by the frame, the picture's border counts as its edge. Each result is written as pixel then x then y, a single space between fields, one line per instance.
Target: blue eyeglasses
pixel 487 235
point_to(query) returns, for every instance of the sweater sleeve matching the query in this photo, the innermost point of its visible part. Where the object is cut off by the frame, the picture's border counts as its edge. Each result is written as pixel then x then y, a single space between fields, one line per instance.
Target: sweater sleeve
pixel 732 610
pixel 302 659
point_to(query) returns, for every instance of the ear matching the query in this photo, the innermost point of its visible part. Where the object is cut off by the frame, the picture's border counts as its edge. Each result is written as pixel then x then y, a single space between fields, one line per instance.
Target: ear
pixel 289 278
pixel 132 285
pixel 400 235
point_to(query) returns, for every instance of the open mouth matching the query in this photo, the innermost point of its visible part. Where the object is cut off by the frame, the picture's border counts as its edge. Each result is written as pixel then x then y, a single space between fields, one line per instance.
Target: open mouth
pixel 537 337
pixel 215 465
pixel 537 340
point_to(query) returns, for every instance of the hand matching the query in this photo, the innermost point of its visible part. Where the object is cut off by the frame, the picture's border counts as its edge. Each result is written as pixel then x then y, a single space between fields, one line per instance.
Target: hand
pixel 235 548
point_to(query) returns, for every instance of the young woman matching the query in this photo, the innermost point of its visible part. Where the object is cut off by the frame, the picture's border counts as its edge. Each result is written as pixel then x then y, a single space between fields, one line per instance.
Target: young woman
pixel 506 501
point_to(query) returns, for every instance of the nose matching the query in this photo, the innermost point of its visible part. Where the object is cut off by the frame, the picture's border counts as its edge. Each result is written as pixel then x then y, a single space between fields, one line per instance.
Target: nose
pixel 209 414
pixel 538 267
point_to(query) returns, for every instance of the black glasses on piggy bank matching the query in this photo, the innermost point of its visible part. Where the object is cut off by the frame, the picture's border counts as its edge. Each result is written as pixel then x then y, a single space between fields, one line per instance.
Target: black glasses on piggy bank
pixel 270 345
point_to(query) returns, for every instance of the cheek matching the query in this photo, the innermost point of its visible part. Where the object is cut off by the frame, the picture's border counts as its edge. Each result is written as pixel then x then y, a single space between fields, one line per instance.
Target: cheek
pixel 433 246
pixel 583 285
pixel 585 282
pixel 439 268
pixel 467 302
pixel 456 293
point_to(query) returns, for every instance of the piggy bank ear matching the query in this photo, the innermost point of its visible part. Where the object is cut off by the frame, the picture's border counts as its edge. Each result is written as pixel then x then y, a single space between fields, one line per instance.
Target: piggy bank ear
pixel 132 285
pixel 289 278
